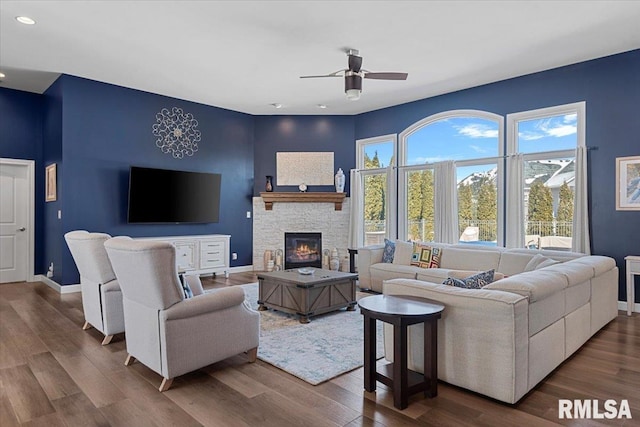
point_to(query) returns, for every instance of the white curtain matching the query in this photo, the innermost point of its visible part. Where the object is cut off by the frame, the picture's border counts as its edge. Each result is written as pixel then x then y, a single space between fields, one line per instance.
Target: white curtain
pixel 356 218
pixel 581 241
pixel 390 203
pixel 515 202
pixel 446 203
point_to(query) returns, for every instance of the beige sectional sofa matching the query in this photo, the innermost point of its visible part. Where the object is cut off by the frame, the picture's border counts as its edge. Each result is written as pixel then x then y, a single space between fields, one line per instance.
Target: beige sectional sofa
pixel 503 339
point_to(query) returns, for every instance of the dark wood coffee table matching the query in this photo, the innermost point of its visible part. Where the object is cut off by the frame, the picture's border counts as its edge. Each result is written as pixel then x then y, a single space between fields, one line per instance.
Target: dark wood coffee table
pixel 401 311
pixel 307 295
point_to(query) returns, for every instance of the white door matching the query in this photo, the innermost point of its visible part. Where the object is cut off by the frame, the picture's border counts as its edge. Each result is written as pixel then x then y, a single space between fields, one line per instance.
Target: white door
pixel 14 221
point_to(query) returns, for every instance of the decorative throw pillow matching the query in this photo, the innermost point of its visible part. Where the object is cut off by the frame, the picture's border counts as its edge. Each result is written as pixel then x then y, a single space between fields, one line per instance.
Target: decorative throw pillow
pixel 186 290
pixel 463 274
pixel 425 256
pixel 476 281
pixel 389 250
pixel 403 253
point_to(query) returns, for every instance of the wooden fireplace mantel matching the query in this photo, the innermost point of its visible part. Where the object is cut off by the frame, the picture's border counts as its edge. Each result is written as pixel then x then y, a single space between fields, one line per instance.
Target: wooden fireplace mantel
pixel 270 198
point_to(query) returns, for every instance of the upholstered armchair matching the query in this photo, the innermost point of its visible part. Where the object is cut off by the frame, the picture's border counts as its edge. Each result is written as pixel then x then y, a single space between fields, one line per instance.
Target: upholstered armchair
pixel 101 296
pixel 165 331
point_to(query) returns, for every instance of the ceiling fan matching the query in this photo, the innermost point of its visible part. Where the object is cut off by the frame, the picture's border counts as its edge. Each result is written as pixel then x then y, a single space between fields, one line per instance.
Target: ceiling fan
pixel 354 74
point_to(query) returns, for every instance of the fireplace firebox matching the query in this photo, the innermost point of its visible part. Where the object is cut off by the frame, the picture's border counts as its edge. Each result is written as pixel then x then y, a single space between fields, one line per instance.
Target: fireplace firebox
pixel 302 250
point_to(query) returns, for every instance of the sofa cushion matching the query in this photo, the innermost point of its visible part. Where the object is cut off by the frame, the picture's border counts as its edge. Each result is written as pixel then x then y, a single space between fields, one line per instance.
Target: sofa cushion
pixel 575 273
pixel 433 275
pixel 599 264
pixel 461 274
pixel 513 263
pixel 425 256
pixel 535 285
pixel 389 249
pixel 538 261
pixel 557 255
pixel 470 259
pixel 403 253
pixel 384 271
pixel 475 281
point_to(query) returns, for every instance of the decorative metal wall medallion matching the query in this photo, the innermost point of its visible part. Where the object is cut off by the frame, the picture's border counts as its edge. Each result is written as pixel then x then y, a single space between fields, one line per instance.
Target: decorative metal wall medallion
pixel 176 132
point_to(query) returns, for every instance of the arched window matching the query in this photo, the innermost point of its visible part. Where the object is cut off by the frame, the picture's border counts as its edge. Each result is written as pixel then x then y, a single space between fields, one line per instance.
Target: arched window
pixel 472 140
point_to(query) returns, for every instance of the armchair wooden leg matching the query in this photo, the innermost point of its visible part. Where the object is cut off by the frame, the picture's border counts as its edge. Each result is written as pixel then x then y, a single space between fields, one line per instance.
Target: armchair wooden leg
pixel 86 326
pixel 107 339
pixel 129 361
pixel 166 383
pixel 253 354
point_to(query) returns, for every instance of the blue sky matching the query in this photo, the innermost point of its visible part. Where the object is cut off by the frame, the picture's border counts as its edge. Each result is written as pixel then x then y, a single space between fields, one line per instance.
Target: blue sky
pixel 472 138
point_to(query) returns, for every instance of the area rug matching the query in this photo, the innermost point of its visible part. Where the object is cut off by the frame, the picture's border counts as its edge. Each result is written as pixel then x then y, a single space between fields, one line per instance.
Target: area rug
pixel 330 345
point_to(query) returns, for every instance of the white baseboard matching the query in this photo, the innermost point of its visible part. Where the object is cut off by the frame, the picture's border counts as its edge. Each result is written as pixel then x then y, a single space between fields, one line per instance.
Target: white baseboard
pixel 622 306
pixel 242 269
pixel 56 286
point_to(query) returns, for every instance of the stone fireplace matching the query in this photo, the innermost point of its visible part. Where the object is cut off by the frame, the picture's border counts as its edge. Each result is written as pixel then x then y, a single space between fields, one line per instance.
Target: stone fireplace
pixel 302 250
pixel 270 226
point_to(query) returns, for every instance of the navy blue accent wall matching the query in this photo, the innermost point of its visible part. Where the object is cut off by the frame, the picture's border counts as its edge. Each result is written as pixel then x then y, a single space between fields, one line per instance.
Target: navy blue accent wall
pixel 108 128
pixel 302 133
pixel 21 138
pixel 53 130
pixel 611 88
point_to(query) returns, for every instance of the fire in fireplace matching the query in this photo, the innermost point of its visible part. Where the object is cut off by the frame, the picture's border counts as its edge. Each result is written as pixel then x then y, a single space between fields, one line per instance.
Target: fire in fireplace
pixel 302 250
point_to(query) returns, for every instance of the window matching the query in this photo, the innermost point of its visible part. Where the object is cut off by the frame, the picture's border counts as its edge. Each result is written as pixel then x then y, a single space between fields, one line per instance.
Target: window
pixel 547 139
pixel 464 149
pixel 473 140
pixel 375 161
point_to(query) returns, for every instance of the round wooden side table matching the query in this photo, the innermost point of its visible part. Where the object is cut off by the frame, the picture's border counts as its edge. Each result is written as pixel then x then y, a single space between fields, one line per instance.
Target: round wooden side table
pixel 401 311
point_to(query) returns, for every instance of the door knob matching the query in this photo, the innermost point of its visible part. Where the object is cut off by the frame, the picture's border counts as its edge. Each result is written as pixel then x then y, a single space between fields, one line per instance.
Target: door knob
pixel 21 229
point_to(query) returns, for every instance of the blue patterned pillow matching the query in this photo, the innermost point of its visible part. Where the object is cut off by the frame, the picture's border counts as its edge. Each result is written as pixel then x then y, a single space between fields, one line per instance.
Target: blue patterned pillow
pixel 476 281
pixel 389 250
pixel 186 289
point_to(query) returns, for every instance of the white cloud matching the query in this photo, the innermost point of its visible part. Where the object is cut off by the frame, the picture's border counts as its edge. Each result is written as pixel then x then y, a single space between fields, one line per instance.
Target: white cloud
pixel 557 128
pixel 476 130
pixel 562 130
pixel 530 136
pixel 477 149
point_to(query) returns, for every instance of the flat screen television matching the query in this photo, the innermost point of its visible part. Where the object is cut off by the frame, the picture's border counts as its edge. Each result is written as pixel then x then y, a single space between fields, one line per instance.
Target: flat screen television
pixel 171 196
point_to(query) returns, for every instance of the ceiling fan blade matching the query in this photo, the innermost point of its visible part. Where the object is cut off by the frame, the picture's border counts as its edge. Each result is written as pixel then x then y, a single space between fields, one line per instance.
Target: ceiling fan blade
pixel 334 74
pixel 386 76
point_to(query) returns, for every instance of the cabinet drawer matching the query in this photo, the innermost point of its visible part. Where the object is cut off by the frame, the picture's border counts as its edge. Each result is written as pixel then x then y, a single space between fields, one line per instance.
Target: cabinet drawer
pixel 212 246
pixel 212 254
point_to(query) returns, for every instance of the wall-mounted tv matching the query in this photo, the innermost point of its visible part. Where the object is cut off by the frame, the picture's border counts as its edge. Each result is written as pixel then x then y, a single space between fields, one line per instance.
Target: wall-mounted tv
pixel 171 196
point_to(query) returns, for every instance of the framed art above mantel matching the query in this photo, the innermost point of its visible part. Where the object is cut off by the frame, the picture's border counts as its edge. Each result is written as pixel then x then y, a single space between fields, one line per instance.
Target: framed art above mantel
pixel 310 168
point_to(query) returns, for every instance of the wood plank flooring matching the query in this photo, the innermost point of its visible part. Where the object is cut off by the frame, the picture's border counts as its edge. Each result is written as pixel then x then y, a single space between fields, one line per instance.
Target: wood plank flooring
pixel 52 373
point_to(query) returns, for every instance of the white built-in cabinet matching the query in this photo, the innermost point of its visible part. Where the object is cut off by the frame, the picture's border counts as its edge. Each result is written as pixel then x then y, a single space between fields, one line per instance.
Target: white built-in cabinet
pixel 206 254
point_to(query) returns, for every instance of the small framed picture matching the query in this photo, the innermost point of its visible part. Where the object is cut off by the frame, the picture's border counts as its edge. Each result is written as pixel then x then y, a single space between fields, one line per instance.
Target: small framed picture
pixel 50 192
pixel 628 183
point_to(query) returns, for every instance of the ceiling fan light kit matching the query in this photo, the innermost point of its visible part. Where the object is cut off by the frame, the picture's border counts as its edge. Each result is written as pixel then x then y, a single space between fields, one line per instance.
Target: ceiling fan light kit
pixel 354 74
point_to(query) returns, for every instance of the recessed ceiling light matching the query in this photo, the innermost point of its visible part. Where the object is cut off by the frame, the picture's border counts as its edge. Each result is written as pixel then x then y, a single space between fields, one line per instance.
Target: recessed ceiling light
pixel 322 106
pixel 276 105
pixel 25 20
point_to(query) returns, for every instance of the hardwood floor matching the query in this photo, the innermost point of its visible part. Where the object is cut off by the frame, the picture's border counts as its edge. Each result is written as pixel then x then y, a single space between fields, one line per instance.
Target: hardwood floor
pixel 52 373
